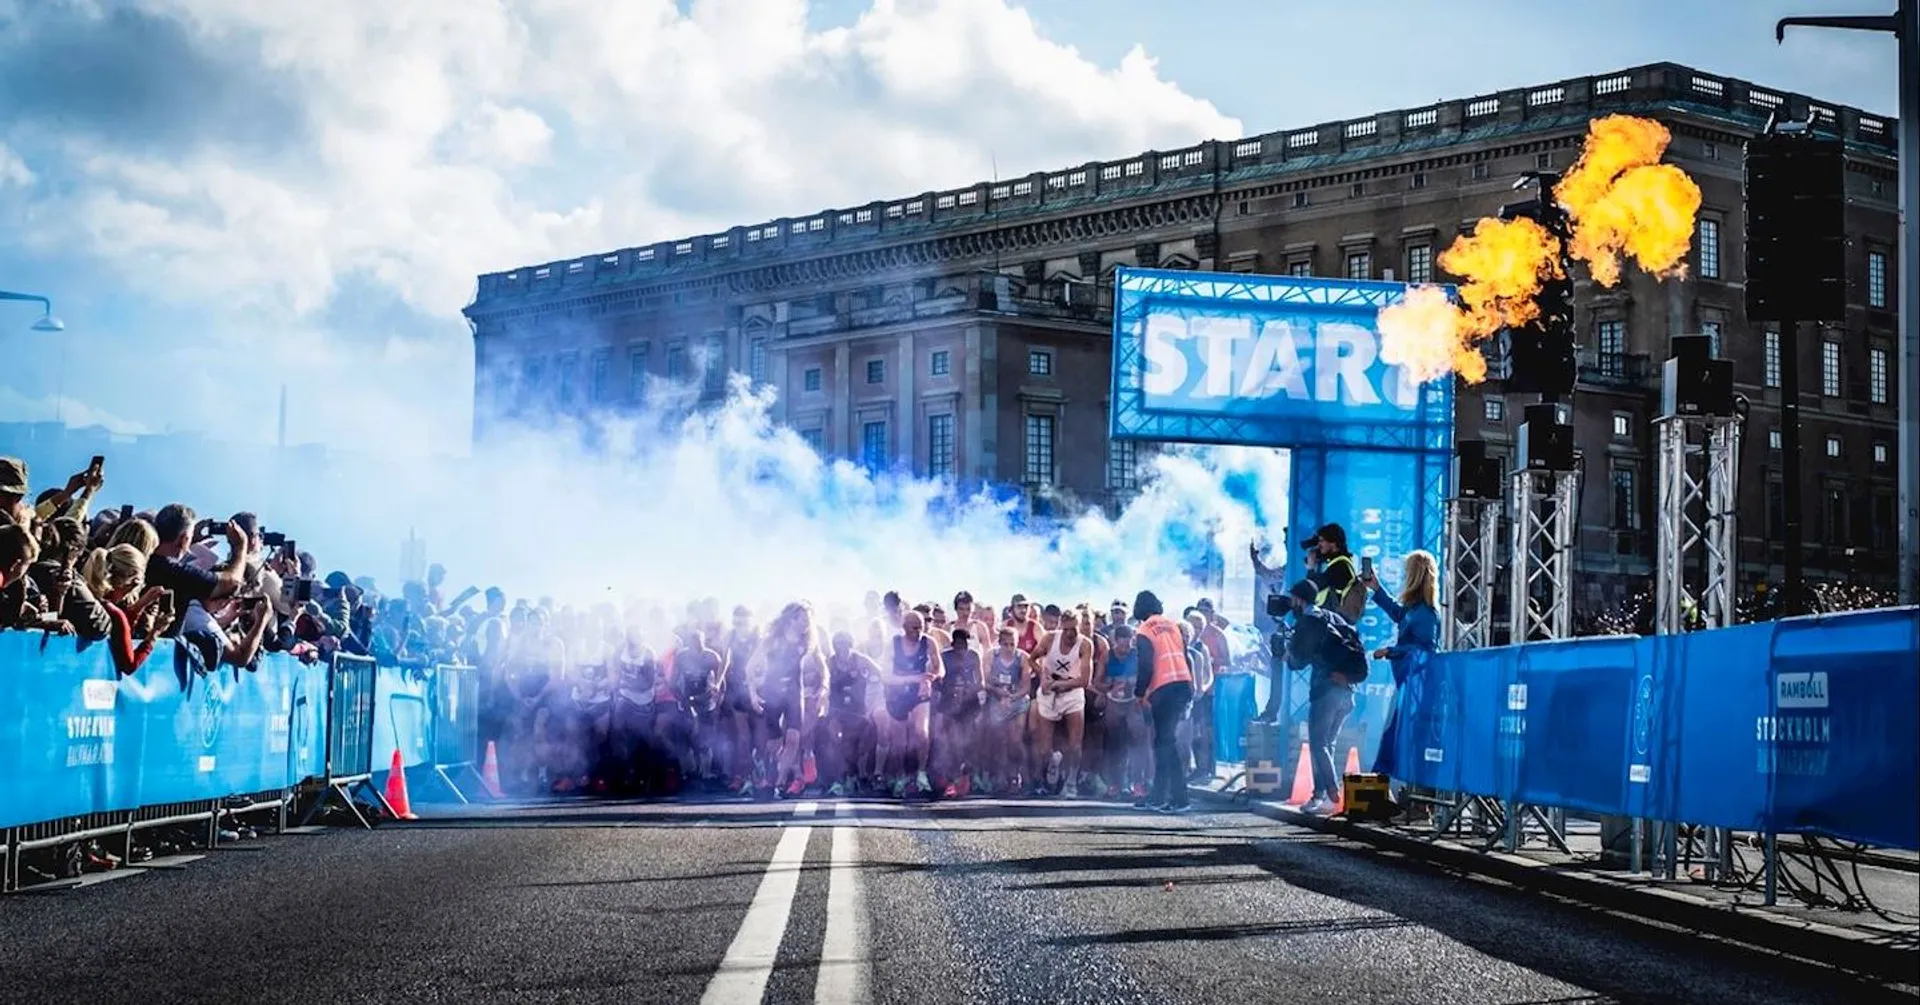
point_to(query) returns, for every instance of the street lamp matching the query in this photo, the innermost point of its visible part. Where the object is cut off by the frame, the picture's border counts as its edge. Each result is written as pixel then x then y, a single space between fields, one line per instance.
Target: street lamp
pixel 47 322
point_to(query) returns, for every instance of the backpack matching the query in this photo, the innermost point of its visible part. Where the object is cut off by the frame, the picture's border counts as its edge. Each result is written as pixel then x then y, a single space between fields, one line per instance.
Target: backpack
pixel 1345 654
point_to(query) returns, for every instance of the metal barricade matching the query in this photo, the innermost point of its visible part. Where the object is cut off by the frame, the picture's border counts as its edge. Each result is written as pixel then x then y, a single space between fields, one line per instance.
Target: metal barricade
pixel 349 761
pixel 456 729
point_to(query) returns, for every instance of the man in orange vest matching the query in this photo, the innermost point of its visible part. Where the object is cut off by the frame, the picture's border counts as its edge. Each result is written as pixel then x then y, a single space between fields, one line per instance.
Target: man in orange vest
pixel 1166 682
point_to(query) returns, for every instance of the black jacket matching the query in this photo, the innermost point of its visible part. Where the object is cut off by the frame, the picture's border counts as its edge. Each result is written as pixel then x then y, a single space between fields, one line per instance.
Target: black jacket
pixel 1313 644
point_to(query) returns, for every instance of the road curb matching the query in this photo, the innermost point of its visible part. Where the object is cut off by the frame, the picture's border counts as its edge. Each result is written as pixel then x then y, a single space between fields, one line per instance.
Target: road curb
pixel 1808 940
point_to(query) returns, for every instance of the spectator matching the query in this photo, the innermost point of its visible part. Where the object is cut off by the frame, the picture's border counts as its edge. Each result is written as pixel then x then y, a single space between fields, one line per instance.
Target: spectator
pixel 69 501
pixel 18 550
pixel 115 575
pixel 230 633
pixel 137 532
pixel 56 577
pixel 1418 615
pixel 169 568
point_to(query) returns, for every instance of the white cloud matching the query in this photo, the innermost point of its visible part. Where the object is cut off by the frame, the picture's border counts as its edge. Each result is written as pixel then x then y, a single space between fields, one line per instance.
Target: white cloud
pixel 13 170
pixel 456 137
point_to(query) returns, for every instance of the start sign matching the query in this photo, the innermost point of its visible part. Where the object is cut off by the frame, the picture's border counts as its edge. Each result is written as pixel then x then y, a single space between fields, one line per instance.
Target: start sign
pixel 1277 361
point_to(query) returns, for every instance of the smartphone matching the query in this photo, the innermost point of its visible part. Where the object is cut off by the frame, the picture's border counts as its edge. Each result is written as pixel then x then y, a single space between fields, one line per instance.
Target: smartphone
pixel 302 590
pixel 216 528
pixel 99 461
pixel 1366 566
pixel 273 539
pixel 126 512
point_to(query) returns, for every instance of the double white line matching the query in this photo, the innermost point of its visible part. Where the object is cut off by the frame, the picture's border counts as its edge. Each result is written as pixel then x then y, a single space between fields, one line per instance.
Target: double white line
pixel 743 975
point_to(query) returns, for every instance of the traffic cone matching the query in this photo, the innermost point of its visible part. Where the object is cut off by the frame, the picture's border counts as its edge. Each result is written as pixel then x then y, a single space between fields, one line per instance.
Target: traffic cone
pixel 1302 779
pixel 1353 768
pixel 397 790
pixel 490 773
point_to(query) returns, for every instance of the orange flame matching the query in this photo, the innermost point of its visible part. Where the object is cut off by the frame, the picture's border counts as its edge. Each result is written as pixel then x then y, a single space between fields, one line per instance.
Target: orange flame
pixel 1620 201
pixel 1504 262
pixel 1623 201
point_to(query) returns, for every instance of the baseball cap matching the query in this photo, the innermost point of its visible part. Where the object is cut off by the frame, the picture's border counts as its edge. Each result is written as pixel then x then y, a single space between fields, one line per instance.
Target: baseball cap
pixel 1018 598
pixel 1332 532
pixel 13 476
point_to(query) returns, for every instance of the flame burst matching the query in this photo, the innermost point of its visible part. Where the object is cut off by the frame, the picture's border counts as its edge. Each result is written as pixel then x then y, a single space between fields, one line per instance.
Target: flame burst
pixel 1620 202
pixel 1623 201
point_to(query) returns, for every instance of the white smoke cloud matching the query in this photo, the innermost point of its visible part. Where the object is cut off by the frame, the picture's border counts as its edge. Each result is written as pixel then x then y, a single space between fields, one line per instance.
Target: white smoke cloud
pixel 734 506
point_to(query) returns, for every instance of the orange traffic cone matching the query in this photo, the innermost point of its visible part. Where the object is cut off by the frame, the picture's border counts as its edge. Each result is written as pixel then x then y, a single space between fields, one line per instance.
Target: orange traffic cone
pixel 490 772
pixel 1302 779
pixel 1353 768
pixel 397 790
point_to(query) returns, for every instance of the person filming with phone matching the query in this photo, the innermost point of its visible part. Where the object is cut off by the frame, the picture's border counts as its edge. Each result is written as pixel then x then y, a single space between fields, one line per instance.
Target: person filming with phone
pixel 1417 613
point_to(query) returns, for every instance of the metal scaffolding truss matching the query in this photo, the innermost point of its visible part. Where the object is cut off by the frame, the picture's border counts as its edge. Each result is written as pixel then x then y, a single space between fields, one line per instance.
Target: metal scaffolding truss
pixel 1472 532
pixel 1696 533
pixel 1699 460
pixel 1540 593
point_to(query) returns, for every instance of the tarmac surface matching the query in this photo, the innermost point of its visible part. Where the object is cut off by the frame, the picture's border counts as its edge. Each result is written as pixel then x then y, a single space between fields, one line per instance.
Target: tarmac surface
pixel 843 901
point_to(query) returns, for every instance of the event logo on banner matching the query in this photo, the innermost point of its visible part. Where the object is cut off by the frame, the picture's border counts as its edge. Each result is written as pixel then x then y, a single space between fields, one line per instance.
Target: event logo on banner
pixel 1795 739
pixel 1640 770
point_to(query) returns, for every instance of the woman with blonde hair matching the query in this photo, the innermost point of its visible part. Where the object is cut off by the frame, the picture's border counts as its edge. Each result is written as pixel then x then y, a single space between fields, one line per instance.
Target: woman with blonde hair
pixel 1417 613
pixel 138 533
pixel 115 576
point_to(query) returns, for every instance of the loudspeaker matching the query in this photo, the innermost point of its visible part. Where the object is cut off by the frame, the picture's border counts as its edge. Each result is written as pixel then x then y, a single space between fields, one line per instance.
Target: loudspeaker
pixel 1475 475
pixel 1539 361
pixel 1546 440
pixel 1694 382
pixel 1796 229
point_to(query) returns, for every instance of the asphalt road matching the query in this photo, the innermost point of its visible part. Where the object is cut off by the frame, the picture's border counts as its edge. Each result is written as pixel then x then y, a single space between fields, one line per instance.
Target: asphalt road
pixel 972 902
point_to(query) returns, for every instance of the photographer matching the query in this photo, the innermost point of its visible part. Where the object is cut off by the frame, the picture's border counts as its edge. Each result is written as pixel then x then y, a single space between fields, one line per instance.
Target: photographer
pixel 65 598
pixel 116 575
pixel 1326 642
pixel 170 569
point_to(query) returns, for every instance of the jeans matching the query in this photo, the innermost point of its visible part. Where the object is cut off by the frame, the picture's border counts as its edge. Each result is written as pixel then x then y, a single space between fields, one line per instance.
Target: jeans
pixel 1203 734
pixel 1168 706
pixel 1326 714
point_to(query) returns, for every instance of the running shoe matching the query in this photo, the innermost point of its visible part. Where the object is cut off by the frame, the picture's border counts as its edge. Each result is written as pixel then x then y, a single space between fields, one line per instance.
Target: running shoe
pixel 1174 811
pixel 797 789
pixel 1071 790
pixel 950 792
pixel 899 788
pixel 1139 792
pixel 921 784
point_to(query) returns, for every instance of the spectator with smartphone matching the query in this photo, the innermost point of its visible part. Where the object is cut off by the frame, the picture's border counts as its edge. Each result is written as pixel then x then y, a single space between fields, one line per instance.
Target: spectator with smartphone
pixel 65 597
pixel 170 569
pixel 138 616
pixel 1417 613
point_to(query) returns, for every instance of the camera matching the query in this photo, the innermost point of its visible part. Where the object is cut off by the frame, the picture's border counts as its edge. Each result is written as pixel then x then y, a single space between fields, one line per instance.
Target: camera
pixel 216 528
pixel 1278 606
pixel 273 539
pixel 302 590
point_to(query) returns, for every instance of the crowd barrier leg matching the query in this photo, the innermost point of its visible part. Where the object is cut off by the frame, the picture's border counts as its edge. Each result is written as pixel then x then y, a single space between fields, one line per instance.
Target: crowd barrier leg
pixel 1771 867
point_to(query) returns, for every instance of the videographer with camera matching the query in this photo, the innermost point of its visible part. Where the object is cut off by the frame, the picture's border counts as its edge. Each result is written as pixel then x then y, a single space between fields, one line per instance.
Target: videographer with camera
pixel 1326 642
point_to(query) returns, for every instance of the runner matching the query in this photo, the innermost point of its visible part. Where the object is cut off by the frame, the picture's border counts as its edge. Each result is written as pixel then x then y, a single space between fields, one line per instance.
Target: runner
pixel 914 669
pixel 1125 751
pixel 1065 670
pixel 776 683
pixel 960 691
pixel 1008 673
pixel 848 739
pixel 1093 741
pixel 739 726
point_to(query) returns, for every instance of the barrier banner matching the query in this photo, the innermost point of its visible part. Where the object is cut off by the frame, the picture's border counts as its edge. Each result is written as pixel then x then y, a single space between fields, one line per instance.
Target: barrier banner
pixel 456 715
pixel 1233 707
pixel 1804 726
pixel 402 717
pixel 77 739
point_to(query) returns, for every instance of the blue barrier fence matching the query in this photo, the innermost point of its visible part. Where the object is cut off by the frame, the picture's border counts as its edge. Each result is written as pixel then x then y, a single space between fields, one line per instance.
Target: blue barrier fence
pixel 1805 726
pixel 76 739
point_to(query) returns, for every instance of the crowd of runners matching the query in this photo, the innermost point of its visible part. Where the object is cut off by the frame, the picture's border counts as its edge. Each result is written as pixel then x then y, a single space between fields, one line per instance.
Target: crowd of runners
pixel 903 698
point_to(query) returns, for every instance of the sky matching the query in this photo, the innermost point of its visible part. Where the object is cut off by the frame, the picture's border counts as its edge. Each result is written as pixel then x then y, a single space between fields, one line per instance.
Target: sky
pixel 225 196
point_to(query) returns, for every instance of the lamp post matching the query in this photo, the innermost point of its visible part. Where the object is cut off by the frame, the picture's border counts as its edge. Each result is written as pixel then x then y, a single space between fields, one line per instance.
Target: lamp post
pixel 1904 24
pixel 47 322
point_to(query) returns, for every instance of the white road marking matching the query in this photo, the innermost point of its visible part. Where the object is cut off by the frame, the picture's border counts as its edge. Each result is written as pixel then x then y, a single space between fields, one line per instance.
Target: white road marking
pixel 844 966
pixel 743 974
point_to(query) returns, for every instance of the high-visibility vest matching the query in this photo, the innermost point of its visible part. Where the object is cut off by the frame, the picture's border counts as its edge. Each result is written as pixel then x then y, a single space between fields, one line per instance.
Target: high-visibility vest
pixel 1325 598
pixel 1169 653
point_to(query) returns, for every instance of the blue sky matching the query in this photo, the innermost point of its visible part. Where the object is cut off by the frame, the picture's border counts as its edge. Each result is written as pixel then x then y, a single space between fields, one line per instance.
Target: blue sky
pixel 223 196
